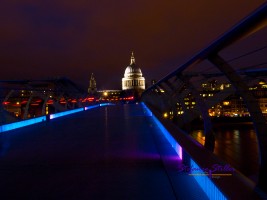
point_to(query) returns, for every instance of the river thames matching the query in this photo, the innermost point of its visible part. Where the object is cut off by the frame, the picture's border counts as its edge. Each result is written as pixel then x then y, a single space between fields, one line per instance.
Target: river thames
pixel 236 145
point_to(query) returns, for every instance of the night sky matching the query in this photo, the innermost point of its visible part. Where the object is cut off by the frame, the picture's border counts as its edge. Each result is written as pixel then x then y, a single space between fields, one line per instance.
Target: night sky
pixel 41 39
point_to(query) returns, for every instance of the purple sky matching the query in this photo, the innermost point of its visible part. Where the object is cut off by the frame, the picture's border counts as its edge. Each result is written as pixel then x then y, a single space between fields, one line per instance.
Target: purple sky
pixel 49 38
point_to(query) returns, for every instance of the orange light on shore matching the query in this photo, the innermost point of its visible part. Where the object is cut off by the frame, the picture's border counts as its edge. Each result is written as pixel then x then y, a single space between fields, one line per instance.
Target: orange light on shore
pixel 50 101
pixel 91 99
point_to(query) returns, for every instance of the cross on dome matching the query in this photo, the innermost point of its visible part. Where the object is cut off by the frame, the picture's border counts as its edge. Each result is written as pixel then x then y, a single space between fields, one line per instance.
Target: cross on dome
pixel 132 59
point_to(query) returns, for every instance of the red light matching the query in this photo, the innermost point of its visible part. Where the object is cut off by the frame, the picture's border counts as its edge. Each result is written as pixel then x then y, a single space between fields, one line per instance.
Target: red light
pixel 50 101
pixel 6 103
pixel 24 102
pixel 90 99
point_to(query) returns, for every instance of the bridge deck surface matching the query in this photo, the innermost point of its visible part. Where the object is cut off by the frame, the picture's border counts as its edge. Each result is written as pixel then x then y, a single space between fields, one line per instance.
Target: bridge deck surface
pixel 114 152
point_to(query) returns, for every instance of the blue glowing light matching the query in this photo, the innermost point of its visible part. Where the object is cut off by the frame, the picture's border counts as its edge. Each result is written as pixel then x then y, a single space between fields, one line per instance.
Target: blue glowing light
pixel 60 114
pixel 106 104
pixel 90 107
pixel 15 125
pixel 102 104
pixel 206 184
pixel 8 127
pixel 165 132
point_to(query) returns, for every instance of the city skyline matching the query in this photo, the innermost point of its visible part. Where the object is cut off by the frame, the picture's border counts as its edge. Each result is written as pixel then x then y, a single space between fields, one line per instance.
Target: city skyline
pixel 75 39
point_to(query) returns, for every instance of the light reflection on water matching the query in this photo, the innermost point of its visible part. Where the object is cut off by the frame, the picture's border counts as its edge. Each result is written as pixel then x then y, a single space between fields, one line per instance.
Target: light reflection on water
pixel 236 146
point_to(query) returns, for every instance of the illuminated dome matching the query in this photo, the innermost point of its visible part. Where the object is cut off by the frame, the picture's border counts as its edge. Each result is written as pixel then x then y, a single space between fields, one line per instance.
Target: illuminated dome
pixel 133 77
pixel 132 71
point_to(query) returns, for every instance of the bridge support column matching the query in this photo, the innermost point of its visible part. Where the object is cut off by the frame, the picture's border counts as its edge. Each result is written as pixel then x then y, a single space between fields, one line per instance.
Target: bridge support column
pixel 44 105
pixel 26 111
pixel 252 104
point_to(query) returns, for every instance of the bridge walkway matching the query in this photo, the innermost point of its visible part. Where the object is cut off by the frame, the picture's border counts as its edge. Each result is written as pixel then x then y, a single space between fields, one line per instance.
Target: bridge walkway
pixel 114 152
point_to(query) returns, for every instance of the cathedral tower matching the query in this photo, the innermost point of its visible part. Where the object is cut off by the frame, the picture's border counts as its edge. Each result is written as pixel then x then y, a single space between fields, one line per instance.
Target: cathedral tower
pixel 92 85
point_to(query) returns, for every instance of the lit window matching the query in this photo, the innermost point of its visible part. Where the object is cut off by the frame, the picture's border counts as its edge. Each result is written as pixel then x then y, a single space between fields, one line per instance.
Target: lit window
pixel 226 103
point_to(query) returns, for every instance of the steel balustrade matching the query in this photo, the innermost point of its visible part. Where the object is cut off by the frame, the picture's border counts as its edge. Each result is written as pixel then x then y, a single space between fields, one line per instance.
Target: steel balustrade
pixel 165 102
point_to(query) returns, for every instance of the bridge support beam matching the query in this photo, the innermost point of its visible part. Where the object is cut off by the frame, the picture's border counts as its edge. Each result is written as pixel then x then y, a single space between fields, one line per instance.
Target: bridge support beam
pixel 26 111
pixel 44 104
pixel 208 128
pixel 252 104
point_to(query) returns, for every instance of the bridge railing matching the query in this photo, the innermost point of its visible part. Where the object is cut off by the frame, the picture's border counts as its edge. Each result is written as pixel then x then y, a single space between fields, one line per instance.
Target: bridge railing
pixel 24 99
pixel 27 122
pixel 217 178
pixel 225 79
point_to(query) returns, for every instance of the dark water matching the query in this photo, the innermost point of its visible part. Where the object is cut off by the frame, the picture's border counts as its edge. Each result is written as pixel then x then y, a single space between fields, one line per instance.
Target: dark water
pixel 236 145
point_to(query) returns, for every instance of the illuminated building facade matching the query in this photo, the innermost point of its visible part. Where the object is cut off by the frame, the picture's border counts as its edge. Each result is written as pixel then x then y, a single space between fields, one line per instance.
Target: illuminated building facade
pixel 231 106
pixel 109 95
pixel 133 79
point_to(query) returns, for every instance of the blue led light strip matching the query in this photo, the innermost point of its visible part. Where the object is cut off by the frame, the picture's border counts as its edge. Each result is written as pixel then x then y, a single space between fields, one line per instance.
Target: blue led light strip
pixel 206 184
pixel 8 127
pixel 166 133
pixel 60 114
pixel 102 104
pixel 106 104
pixel 90 107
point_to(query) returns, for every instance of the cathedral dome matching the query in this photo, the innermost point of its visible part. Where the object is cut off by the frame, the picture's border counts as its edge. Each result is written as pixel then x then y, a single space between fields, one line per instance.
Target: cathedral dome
pixel 132 71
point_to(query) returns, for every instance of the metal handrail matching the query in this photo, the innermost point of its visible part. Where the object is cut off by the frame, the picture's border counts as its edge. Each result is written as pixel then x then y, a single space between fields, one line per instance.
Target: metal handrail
pixel 249 25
